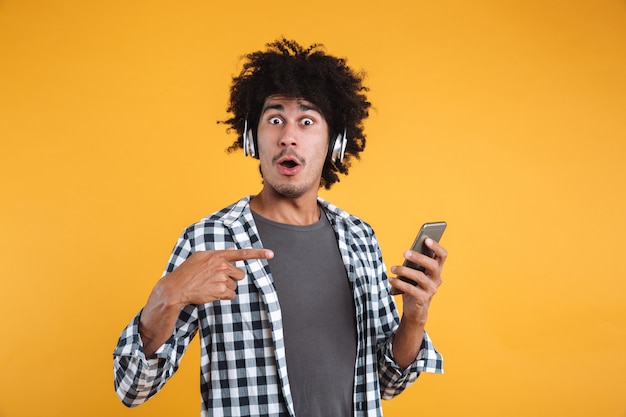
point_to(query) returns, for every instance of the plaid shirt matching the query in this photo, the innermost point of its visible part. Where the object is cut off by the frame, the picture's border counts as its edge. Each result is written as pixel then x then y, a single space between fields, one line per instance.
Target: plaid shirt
pixel 243 365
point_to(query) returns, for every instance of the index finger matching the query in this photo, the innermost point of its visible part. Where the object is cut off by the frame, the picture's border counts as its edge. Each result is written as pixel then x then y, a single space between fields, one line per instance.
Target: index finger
pixel 234 255
pixel 440 251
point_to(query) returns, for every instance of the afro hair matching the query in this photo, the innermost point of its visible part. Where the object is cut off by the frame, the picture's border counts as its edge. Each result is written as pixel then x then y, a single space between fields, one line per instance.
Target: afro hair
pixel 289 69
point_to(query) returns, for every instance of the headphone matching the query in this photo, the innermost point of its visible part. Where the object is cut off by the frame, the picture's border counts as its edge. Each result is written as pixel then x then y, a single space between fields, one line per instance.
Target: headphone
pixel 336 147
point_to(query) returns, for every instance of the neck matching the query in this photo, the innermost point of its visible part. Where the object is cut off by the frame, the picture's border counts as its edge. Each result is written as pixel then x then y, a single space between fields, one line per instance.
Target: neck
pixel 299 211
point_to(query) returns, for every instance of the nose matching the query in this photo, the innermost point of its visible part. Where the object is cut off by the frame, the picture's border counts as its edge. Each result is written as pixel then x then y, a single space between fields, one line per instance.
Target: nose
pixel 288 137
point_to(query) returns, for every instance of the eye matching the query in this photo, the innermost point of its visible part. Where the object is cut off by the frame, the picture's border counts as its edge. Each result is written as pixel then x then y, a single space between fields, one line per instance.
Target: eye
pixel 307 121
pixel 275 120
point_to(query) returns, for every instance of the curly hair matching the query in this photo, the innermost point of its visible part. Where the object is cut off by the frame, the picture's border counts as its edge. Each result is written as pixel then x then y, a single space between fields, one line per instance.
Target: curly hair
pixel 288 69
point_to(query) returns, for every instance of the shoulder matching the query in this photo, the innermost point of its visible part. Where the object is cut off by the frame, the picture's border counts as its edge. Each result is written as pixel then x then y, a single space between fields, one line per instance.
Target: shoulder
pixel 215 227
pixel 230 213
pixel 352 223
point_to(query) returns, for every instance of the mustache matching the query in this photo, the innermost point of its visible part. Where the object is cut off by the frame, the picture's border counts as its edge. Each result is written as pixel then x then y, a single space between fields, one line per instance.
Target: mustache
pixel 290 153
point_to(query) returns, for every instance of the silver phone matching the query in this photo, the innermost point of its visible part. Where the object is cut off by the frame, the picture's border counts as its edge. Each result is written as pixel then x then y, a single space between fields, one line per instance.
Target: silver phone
pixel 433 230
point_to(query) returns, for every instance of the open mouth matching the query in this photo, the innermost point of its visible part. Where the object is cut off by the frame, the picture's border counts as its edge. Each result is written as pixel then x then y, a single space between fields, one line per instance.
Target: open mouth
pixel 288 161
pixel 289 164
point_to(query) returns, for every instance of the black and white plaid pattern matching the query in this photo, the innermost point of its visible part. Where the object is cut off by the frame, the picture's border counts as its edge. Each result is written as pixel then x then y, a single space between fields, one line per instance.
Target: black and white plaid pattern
pixel 243 365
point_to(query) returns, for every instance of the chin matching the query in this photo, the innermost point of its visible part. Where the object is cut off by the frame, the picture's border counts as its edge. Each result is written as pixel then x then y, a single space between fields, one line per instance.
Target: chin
pixel 290 190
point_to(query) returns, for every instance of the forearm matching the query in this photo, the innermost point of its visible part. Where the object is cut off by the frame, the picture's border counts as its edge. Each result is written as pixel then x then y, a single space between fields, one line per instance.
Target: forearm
pixel 407 341
pixel 158 318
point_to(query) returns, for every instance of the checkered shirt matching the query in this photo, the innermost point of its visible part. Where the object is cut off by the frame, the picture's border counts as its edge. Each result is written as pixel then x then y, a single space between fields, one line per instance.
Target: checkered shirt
pixel 243 364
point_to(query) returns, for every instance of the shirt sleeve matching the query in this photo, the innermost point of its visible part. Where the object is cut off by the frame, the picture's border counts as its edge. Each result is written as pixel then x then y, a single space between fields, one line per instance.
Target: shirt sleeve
pixel 138 378
pixel 392 378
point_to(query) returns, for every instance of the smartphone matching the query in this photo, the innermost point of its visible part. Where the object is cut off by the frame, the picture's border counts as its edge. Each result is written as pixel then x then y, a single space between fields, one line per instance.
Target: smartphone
pixel 432 230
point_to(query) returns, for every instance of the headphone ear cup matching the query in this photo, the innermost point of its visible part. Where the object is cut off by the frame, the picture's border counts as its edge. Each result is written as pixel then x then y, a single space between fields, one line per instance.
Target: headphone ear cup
pixel 251 144
pixel 339 147
pixel 249 147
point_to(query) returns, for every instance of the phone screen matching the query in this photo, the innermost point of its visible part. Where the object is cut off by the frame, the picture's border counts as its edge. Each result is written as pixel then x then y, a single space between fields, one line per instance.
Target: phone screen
pixel 433 230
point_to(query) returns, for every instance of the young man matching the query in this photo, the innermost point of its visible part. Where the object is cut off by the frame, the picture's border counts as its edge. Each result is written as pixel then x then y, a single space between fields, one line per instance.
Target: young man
pixel 308 328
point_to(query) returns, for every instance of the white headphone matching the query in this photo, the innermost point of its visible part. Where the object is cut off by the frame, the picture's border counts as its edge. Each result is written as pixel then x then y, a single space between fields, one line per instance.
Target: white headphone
pixel 248 141
pixel 339 147
pixel 336 149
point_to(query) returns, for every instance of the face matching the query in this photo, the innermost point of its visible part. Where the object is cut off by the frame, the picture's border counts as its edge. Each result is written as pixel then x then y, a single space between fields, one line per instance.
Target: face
pixel 293 144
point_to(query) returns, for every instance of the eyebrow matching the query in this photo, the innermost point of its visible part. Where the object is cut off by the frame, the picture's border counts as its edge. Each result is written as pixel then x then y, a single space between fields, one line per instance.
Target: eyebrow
pixel 301 107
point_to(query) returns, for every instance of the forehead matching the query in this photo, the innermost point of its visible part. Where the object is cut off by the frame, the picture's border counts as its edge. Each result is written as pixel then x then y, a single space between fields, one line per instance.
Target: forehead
pixel 282 103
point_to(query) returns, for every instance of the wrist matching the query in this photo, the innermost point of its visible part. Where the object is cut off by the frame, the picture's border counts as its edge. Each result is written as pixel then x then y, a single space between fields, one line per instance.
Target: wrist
pixel 165 295
pixel 416 323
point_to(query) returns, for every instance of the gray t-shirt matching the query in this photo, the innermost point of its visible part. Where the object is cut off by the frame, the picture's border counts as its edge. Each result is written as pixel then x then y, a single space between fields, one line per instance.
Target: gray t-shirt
pixel 318 315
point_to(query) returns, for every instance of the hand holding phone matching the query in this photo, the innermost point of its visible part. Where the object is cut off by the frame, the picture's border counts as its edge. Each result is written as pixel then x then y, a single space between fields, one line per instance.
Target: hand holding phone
pixel 432 230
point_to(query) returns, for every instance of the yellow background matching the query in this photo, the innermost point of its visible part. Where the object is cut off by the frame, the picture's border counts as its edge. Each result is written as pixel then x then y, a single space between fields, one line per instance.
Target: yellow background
pixel 505 118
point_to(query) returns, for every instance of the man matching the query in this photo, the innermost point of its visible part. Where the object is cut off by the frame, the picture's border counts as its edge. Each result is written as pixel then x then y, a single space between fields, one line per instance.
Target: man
pixel 308 328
